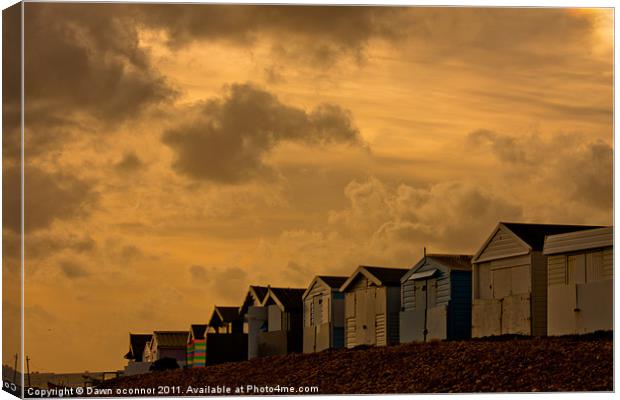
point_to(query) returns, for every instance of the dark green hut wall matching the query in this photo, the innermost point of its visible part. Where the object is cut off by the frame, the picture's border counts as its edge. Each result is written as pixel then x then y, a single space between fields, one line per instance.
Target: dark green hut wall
pixel 459 312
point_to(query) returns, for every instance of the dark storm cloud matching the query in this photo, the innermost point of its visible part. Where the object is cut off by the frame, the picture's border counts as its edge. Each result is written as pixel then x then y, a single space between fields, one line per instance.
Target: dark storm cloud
pixel 227 141
pixel 322 34
pixel 318 34
pixel 73 270
pixel 92 61
pixel 129 163
pixel 84 60
pixel 47 197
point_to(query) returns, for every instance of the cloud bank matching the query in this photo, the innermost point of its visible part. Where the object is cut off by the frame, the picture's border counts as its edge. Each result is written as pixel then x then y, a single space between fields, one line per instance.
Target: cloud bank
pixel 229 137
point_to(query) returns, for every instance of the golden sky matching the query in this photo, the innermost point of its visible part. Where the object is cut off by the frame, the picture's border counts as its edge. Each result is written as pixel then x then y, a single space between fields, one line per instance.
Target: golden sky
pixel 176 154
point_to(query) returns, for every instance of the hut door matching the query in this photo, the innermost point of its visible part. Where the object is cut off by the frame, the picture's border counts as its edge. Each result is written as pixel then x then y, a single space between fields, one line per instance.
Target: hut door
pixel 371 316
pixel 317 316
pixel 420 295
pixel 360 315
pixel 365 312
pixel 318 310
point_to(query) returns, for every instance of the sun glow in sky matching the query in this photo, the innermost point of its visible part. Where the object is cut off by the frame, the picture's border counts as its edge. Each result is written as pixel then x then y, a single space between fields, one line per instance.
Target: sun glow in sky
pixel 176 154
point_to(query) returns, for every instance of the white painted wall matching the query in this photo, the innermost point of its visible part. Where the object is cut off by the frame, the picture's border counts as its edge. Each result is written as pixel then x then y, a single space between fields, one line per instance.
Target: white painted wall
pixel 257 317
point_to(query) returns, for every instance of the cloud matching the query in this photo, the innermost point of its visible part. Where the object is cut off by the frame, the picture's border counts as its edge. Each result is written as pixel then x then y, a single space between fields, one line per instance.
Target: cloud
pixel 388 225
pixel 73 270
pixel 492 38
pixel 273 75
pixel 93 63
pixel 318 35
pixel 505 147
pixel 42 245
pixel 591 173
pixel 96 76
pixel 198 272
pixel 129 163
pixel 579 169
pixel 226 282
pixel 445 214
pixel 48 197
pixel 227 140
pixel 549 109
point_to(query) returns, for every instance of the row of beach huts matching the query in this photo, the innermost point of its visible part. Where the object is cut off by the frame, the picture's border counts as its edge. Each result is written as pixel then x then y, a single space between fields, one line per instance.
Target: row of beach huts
pixel 526 279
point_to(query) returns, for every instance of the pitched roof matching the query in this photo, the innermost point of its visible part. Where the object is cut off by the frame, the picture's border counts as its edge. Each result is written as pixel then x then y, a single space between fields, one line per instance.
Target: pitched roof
pixel 260 291
pixel 288 299
pixel 387 276
pixel 198 330
pixel 170 339
pixel 255 295
pixel 379 275
pixel 453 261
pixel 534 234
pixel 596 238
pixel 136 345
pixel 461 262
pixel 333 281
pixel 227 314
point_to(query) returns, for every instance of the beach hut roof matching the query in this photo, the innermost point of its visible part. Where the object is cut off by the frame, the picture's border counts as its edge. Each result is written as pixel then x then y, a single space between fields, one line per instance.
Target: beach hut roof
pixel 380 276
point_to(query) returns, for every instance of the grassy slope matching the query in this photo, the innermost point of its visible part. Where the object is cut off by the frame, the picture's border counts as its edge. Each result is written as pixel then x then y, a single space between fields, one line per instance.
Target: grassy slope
pixel 571 363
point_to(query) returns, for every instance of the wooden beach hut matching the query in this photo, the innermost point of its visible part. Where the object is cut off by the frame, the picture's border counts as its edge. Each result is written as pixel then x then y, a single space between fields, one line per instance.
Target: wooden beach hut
pixel 436 299
pixel 284 330
pixel 136 363
pixel 371 306
pixel 168 344
pixel 254 317
pixel 225 339
pixel 509 279
pixel 323 314
pixel 196 346
pixel 580 281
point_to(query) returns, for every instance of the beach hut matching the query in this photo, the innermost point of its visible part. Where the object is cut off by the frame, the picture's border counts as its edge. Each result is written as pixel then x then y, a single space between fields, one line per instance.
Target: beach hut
pixel 254 317
pixel 436 299
pixel 225 320
pixel 225 339
pixel 284 330
pixel 196 346
pixel 137 341
pixel 168 344
pixel 136 363
pixel 323 314
pixel 580 281
pixel 509 280
pixel 371 306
